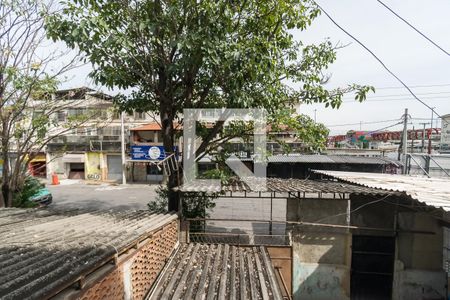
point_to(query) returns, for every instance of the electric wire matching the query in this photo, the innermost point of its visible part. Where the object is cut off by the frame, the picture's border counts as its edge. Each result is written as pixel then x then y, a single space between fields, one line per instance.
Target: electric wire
pixel 396 99
pixel 408 95
pixel 413 27
pixel 384 128
pixel 379 60
pixel 411 86
pixel 370 122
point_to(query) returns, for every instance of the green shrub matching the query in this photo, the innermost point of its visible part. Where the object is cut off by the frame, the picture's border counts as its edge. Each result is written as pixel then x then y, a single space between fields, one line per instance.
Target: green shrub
pixel 22 197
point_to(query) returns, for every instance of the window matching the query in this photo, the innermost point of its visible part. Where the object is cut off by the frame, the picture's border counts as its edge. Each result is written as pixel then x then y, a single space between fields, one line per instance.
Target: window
pixel 37 114
pixel 116 115
pixel 61 116
pixel 139 115
pixel 76 111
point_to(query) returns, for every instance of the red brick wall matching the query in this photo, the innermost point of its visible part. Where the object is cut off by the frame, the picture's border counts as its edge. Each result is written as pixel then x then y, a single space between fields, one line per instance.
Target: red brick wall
pixel 146 265
pixel 111 287
pixel 150 260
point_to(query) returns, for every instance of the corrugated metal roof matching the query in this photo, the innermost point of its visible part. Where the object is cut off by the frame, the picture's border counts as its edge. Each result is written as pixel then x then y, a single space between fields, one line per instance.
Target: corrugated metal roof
pixel 280 185
pixel 41 250
pixel 431 191
pixel 332 159
pixel 200 271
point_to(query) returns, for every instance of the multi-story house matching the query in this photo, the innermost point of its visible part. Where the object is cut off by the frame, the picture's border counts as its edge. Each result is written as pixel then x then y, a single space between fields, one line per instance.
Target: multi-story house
pixel 91 150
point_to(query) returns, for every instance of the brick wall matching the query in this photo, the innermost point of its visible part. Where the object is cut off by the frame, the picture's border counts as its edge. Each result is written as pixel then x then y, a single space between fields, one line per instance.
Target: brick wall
pixel 134 276
pixel 111 287
pixel 149 261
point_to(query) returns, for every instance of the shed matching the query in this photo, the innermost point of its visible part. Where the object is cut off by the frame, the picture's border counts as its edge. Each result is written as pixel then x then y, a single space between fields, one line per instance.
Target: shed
pixel 90 255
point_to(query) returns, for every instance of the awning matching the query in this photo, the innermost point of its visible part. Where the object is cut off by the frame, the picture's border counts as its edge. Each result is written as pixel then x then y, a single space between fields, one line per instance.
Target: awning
pixel 39 158
pixel 73 158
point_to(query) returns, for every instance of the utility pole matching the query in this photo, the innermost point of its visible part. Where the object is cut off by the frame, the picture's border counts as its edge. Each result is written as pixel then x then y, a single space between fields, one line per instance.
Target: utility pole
pixel 423 135
pixel 405 139
pixel 412 139
pixel 122 145
pixel 431 132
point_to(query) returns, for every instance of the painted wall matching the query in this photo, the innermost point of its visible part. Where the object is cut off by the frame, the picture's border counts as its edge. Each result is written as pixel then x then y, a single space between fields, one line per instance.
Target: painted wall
pixel 418 268
pixel 56 165
pixel 92 166
pixel 321 256
pixel 413 284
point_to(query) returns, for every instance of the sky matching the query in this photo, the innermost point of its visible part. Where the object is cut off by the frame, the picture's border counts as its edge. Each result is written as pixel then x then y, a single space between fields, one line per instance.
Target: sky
pixel 412 58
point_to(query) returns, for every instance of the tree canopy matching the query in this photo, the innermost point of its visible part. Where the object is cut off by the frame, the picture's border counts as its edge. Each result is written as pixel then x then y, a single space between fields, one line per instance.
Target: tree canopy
pixel 176 54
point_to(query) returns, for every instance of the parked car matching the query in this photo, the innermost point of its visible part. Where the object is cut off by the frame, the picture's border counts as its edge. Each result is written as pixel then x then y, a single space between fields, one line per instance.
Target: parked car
pixel 34 193
pixel 43 197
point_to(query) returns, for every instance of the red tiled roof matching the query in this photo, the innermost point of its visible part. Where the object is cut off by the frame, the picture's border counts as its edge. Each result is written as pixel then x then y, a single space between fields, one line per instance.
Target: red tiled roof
pixel 153 126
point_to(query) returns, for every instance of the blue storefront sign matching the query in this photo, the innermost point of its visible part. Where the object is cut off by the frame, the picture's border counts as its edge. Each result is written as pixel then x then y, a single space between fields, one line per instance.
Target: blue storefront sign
pixel 148 152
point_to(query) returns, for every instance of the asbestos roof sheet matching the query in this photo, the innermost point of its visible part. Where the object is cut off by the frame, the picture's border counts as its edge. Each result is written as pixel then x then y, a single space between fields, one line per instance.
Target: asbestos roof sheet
pixel 281 185
pixel 331 159
pixel 44 251
pixel 430 191
pixel 200 271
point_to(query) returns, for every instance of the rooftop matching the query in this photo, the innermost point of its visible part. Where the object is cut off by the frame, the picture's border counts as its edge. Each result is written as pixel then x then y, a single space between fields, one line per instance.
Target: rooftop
pixel 279 185
pixel 200 271
pixel 332 159
pixel 43 252
pixel 154 126
pixel 431 191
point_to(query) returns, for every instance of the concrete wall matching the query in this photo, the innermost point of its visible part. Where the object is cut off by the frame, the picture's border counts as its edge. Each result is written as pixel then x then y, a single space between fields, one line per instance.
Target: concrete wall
pixel 321 256
pixel 56 165
pixel 419 270
pixel 92 166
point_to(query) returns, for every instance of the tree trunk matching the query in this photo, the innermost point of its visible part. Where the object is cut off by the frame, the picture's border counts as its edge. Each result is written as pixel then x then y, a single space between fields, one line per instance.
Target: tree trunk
pixel 167 118
pixel 6 194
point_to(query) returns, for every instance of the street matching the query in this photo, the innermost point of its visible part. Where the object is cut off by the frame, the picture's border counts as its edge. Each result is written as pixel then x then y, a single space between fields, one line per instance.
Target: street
pixel 73 194
pixel 77 194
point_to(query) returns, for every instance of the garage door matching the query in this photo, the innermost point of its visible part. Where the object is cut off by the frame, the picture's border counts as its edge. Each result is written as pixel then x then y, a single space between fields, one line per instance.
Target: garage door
pixel 114 167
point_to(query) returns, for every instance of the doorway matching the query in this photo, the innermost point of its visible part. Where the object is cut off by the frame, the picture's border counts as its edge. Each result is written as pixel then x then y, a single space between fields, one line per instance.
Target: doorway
pixel 76 171
pixel 372 267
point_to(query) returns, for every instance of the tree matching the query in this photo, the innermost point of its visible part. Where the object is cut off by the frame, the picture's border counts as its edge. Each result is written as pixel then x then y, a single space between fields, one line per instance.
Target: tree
pixel 29 76
pixel 200 54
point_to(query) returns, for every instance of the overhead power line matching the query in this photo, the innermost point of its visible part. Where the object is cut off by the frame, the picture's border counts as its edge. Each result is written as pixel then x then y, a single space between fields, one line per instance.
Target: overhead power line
pixel 414 28
pixel 387 127
pixel 378 59
pixel 364 123
pixel 408 95
pixel 412 86
pixel 395 99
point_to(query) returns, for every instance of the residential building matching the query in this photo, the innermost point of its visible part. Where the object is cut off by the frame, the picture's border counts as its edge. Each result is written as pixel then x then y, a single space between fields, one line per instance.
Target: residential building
pixel 91 151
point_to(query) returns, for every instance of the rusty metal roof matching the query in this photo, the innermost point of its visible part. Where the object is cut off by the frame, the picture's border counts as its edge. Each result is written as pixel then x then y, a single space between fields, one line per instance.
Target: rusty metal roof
pixel 200 271
pixel 431 191
pixel 44 251
pixel 281 185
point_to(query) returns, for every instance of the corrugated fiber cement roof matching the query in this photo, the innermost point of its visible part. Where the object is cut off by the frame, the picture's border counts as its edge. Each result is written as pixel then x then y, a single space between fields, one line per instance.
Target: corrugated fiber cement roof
pixel 431 191
pixel 42 251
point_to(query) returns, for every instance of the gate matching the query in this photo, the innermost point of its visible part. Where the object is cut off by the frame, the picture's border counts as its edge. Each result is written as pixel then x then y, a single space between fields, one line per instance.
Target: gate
pixel 114 167
pixel 372 267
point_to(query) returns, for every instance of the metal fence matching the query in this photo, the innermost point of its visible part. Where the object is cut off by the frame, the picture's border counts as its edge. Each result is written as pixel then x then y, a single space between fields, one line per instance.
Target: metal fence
pixel 429 165
pixel 201 231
